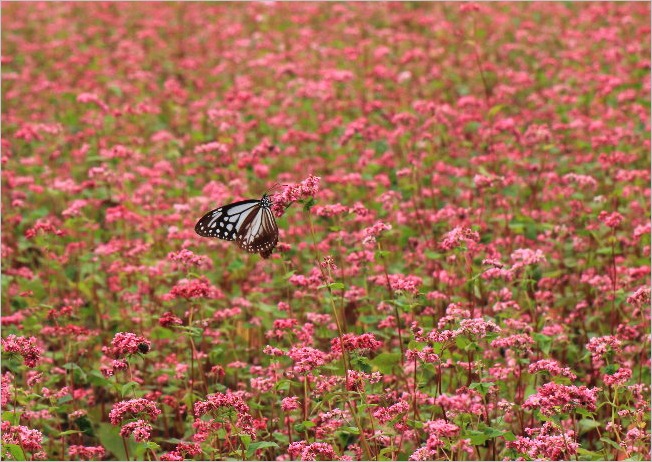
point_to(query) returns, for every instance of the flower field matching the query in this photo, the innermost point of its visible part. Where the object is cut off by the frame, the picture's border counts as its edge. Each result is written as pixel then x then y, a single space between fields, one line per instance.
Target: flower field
pixel 462 193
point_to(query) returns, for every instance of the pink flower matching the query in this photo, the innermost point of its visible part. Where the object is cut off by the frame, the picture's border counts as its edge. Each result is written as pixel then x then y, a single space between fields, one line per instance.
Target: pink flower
pixel 306 358
pixel 188 259
pixel 552 367
pixel 133 408
pixel 28 439
pixel 612 220
pixel 92 98
pixel 212 147
pixel 140 429
pixel 441 428
pixel 552 399
pixel 301 450
pixel 371 234
pixel 25 347
pixel 168 319
pixel 86 452
pixel 640 297
pixel 46 226
pixel 602 347
pixel 385 414
pixel 547 442
pixel 227 401
pixel 294 192
pixel 127 343
pixel 619 378
pixel 194 288
pixel 291 403
pixel 352 342
pixel 458 236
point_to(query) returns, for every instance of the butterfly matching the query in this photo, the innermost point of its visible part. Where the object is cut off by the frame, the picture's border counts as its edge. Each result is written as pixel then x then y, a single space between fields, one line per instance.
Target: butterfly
pixel 250 223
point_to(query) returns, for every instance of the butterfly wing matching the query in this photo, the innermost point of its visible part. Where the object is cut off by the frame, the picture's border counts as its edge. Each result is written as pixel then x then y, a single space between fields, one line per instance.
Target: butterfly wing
pixel 259 232
pixel 226 222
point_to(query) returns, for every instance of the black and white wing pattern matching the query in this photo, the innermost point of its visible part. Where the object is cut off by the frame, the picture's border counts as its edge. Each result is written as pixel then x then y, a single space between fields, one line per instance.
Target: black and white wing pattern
pixel 250 223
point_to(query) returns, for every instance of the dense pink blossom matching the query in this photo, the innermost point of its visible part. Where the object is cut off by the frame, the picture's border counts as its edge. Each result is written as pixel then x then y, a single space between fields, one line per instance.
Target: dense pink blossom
pixel 302 450
pixel 25 347
pixel 294 192
pixel 546 442
pixel 127 343
pixel 462 197
pixel 139 428
pixel 351 342
pixel 227 401
pixel 133 407
pixel 552 398
pixel 86 452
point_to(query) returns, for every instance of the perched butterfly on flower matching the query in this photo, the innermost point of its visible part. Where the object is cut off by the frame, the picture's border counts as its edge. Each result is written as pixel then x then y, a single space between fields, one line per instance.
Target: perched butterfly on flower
pixel 250 223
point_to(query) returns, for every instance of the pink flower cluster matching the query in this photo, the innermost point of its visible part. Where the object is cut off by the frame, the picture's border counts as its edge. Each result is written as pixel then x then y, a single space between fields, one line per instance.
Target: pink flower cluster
pixel 86 452
pixel 458 236
pixel 365 342
pixel 547 442
pixel 44 225
pixel 139 428
pixel 28 439
pixel 186 258
pixel 612 220
pixel 302 450
pixel 24 346
pixel 552 367
pixel 307 358
pixel 552 398
pixel 194 288
pixel 294 192
pixel 127 343
pixel 385 414
pixel 132 408
pixel 227 401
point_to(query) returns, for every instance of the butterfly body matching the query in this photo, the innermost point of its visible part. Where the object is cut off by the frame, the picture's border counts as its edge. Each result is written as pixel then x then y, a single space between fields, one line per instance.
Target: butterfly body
pixel 250 223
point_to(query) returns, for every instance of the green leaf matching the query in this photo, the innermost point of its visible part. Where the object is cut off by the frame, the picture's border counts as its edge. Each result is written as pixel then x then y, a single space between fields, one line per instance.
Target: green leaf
pixel 543 341
pixel 611 369
pixel 352 430
pixel 588 424
pixel 74 367
pixel 482 387
pixel 362 364
pixel 462 342
pixel 336 286
pixel 309 203
pixel 611 443
pixel 432 255
pixel 386 362
pixel 64 399
pixel 283 385
pixel 15 451
pixel 493 432
pixel 96 378
pixel 589 455
pixel 477 437
pixel 109 436
pixel 69 432
pixel 127 388
pixel 12 417
pixel 583 412
pixel 85 425
pixel 253 447
pixel 380 254
pixel 509 436
pixel 303 426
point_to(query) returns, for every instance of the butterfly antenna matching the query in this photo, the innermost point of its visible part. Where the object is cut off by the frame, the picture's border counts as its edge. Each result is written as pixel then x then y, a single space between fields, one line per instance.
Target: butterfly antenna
pixel 273 187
